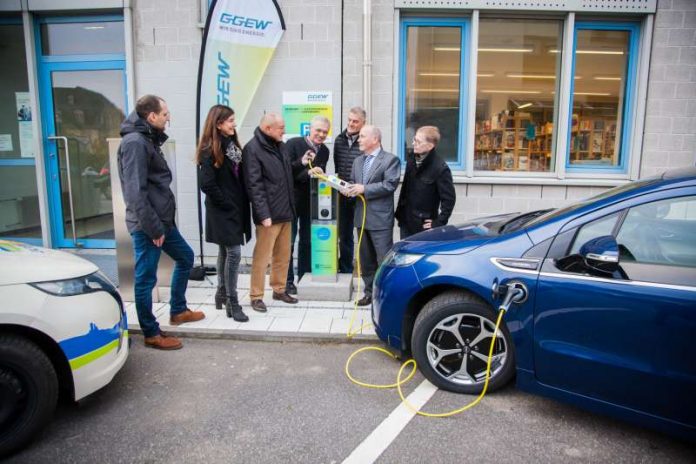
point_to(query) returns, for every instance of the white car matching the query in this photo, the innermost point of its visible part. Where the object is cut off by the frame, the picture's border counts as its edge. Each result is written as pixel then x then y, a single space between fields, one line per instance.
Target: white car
pixel 63 329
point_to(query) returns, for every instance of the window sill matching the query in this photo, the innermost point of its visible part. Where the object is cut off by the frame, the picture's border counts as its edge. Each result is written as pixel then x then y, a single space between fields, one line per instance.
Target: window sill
pixel 461 178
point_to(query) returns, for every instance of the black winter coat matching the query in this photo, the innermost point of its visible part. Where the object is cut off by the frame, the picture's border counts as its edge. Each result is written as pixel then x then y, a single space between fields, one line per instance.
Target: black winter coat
pixel 296 148
pixel 344 155
pixel 426 193
pixel 145 178
pixel 227 211
pixel 268 178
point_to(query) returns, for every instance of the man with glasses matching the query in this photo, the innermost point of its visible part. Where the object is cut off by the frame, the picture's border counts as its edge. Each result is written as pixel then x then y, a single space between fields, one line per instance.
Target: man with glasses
pixel 427 194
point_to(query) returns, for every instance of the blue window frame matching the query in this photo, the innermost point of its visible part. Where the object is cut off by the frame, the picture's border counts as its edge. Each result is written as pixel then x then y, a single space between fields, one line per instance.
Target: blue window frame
pixel 458 120
pixel 625 114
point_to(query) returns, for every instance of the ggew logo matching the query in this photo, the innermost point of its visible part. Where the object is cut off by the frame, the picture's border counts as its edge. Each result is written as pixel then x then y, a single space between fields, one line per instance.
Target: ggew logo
pixel 244 21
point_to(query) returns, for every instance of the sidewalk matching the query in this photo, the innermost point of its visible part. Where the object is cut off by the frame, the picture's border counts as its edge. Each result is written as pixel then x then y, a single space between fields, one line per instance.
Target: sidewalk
pixel 317 321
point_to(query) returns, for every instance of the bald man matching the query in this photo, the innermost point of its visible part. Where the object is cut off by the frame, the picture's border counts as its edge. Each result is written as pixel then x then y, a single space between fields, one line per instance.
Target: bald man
pixel 269 181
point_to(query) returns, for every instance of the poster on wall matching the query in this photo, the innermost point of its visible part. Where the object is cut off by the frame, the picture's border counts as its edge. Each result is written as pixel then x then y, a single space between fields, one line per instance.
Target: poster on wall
pixel 239 40
pixel 26 144
pixel 5 142
pixel 300 107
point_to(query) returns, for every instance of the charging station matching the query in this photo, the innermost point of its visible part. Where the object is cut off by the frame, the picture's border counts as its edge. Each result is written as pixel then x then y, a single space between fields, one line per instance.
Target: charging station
pixel 324 283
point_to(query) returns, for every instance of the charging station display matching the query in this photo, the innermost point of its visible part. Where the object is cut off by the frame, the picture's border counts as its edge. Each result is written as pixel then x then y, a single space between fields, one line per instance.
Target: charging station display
pixel 324 215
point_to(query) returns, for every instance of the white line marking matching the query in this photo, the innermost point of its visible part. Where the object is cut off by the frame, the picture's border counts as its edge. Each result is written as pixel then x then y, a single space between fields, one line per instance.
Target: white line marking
pixel 379 440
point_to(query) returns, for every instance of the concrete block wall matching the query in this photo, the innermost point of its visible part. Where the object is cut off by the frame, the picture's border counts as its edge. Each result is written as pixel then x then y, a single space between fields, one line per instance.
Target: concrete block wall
pixel 670 125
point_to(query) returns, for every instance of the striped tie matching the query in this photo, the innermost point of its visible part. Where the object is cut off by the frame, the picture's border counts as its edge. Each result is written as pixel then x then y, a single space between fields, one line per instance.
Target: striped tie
pixel 366 167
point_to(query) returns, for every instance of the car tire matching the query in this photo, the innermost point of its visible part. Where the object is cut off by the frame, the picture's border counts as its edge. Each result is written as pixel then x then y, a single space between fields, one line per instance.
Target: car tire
pixel 463 369
pixel 28 391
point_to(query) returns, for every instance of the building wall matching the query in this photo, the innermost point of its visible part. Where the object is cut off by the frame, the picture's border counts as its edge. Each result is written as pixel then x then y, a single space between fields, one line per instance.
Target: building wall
pixel 309 57
pixel 670 126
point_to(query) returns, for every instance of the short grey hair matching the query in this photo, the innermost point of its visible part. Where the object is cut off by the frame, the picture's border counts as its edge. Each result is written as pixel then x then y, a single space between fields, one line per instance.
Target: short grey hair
pixel 319 119
pixel 359 111
pixel 374 132
pixel 270 119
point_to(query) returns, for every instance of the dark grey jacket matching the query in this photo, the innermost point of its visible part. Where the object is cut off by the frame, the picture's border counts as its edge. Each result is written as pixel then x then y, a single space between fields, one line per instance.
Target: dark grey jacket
pixel 344 155
pixel 145 178
pixel 379 190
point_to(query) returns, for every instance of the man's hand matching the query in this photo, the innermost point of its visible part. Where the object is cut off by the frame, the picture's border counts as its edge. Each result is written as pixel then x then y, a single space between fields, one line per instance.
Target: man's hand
pixel 354 190
pixel 307 157
pixel 428 224
pixel 158 241
pixel 316 171
pixel 267 222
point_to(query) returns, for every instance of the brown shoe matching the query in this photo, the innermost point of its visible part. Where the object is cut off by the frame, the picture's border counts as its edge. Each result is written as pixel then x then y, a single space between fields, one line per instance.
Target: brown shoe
pixel 284 297
pixel 365 301
pixel 186 316
pixel 163 342
pixel 258 305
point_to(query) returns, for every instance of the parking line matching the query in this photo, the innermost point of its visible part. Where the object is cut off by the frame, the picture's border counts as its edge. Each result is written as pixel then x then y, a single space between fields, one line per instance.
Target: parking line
pixel 374 445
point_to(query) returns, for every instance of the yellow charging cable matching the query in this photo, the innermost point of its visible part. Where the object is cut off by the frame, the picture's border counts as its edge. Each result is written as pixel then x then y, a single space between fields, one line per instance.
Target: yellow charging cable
pixel 399 382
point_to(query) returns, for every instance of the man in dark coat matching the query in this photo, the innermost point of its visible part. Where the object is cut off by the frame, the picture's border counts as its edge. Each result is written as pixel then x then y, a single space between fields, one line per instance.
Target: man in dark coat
pixel 297 148
pixel 346 150
pixel 150 210
pixel 427 194
pixel 269 183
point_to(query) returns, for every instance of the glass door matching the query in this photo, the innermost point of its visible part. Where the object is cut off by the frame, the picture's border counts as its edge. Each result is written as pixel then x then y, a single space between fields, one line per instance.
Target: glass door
pixel 83 96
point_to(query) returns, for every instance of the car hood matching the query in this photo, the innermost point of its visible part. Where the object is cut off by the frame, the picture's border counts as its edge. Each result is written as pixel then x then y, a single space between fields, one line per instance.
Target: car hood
pixel 22 263
pixel 455 239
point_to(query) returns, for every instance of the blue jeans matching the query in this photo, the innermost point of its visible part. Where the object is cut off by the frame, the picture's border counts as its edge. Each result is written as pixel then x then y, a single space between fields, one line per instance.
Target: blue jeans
pixel 147 257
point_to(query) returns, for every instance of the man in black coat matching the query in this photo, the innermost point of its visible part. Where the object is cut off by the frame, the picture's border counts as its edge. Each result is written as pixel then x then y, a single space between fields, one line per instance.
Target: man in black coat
pixel 313 146
pixel 427 194
pixel 346 150
pixel 269 183
pixel 150 211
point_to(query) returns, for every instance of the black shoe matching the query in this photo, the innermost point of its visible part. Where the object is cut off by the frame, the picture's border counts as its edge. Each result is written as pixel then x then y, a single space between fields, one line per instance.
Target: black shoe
pixel 290 289
pixel 365 301
pixel 284 297
pixel 258 305
pixel 220 297
pixel 234 311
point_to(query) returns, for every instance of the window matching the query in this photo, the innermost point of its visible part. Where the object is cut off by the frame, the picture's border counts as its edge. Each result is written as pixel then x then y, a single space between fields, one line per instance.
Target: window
pixel 518 68
pixel 601 95
pixel 661 232
pixel 598 228
pixel 434 60
pixel 19 201
pixel 82 38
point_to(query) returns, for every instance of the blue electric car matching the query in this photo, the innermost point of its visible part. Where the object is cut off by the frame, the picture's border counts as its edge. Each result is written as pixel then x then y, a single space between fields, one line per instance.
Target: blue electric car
pixel 601 300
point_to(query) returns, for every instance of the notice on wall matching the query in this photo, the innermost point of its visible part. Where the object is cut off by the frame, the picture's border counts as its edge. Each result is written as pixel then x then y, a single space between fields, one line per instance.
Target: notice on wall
pixel 24 117
pixel 300 107
pixel 5 142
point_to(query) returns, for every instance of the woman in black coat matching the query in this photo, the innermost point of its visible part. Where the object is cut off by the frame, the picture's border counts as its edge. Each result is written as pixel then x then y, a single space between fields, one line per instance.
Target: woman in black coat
pixel 227 220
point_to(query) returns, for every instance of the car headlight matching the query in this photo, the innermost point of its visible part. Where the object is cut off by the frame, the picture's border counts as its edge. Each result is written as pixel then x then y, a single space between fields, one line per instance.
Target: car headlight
pixel 397 259
pixel 86 284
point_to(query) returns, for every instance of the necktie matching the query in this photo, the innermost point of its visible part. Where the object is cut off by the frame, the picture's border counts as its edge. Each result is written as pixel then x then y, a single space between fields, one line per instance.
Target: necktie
pixel 366 167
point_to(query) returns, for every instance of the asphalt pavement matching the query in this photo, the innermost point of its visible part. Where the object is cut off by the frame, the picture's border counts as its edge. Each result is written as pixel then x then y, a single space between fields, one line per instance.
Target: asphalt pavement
pixel 224 401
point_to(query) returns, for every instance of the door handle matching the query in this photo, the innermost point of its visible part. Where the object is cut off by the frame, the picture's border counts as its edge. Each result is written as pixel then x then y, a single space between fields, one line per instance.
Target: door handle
pixel 70 195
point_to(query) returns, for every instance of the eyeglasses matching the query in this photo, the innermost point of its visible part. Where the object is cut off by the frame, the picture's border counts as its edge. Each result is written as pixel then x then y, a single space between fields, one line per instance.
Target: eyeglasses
pixel 418 141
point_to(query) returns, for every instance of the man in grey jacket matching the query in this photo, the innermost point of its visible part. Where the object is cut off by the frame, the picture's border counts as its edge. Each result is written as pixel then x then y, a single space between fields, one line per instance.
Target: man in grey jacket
pixel 375 176
pixel 150 209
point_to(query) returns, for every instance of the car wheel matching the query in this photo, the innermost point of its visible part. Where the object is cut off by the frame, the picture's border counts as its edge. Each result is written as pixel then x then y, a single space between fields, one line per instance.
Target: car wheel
pixel 451 340
pixel 28 391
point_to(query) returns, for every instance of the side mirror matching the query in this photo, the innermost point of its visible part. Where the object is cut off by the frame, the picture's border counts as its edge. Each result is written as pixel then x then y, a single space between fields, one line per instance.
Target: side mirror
pixel 601 254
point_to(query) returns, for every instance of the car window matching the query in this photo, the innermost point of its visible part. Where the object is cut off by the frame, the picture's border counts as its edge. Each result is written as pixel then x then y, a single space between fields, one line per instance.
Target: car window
pixel 594 229
pixel 661 232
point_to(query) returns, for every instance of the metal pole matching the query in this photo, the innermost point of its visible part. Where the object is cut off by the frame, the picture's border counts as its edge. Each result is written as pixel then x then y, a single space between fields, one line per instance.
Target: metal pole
pixel 70 196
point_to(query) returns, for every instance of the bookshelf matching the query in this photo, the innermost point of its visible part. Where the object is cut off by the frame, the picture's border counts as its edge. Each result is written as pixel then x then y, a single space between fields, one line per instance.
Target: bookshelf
pixel 593 140
pixel 513 141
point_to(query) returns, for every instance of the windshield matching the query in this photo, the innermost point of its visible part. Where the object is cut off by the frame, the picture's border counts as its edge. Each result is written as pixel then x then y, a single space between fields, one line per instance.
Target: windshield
pixel 518 221
pixel 606 194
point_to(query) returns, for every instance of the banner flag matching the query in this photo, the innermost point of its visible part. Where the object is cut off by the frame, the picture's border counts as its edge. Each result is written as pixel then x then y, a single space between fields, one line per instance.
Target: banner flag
pixel 238 43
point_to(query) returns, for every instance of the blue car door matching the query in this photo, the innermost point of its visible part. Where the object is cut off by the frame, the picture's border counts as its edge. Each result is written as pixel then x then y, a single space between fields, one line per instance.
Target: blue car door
pixel 627 338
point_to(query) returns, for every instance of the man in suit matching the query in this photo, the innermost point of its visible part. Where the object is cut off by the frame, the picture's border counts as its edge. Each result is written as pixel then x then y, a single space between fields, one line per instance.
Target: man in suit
pixel 375 175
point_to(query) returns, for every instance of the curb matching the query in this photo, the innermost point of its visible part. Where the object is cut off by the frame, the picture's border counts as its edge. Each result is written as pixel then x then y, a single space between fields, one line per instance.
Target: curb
pixel 249 335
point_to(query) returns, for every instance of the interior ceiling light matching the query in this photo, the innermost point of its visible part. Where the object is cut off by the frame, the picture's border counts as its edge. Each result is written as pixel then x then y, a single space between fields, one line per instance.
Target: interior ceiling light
pixel 506 50
pixel 93 28
pixel 438 74
pixel 606 78
pixel 526 105
pixel 446 49
pixel 485 74
pixel 593 52
pixel 531 76
pixel 517 92
pixel 593 94
pixel 436 90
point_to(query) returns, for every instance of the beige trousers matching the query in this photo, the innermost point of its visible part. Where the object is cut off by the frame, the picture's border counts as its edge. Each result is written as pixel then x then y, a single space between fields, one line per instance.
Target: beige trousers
pixel 272 247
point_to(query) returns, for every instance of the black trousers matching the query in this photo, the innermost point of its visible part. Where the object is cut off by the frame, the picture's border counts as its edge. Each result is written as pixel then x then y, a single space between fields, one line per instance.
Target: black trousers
pixel 346 250
pixel 304 247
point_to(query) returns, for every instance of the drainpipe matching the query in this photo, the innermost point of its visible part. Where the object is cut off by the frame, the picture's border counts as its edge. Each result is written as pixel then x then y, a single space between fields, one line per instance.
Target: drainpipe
pixel 367 57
